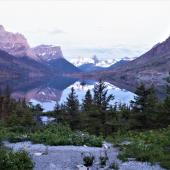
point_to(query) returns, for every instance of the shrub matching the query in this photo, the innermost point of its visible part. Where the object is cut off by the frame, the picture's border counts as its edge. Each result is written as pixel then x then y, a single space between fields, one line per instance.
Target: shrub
pixel 15 160
pixel 88 161
pixel 103 160
pixel 59 134
pixel 152 146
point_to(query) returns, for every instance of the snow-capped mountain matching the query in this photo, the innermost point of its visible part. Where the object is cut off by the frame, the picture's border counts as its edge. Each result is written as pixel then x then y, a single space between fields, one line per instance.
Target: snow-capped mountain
pixel 79 61
pixel 92 60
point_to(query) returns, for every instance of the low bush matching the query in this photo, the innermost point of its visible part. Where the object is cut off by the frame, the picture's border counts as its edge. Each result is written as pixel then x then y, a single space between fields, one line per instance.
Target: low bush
pixel 15 160
pixel 151 146
pixel 53 134
pixel 88 161
pixel 58 134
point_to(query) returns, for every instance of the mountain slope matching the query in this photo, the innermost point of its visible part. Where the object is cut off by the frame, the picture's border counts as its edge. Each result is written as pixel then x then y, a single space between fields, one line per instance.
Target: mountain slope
pixel 118 64
pixel 151 67
pixel 61 66
pixel 11 66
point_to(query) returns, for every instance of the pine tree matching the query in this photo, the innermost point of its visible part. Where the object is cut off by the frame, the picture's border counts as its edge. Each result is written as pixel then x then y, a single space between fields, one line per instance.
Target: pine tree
pixel 72 109
pixel 101 99
pixel 139 102
pixel 144 107
pixel 72 103
pixel 88 101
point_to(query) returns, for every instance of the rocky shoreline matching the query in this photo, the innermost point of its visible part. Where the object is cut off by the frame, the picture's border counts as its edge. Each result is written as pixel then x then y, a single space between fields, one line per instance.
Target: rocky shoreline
pixel 71 157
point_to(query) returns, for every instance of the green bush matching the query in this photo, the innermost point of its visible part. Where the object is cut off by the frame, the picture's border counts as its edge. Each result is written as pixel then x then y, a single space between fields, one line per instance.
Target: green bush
pixel 88 161
pixel 53 134
pixel 15 160
pixel 59 134
pixel 151 146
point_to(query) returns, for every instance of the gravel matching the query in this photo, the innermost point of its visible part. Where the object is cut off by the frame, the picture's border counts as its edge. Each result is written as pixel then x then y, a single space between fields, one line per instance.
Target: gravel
pixel 71 157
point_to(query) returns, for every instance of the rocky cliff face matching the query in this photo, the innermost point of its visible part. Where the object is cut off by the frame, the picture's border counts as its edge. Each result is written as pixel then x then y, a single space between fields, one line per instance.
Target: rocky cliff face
pixel 15 44
pixel 48 52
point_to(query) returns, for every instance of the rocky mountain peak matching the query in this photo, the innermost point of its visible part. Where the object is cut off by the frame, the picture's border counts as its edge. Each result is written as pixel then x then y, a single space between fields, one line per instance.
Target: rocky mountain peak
pixel 15 44
pixel 48 52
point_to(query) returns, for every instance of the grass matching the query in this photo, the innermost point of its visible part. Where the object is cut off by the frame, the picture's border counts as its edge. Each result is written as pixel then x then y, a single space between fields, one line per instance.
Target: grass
pixel 151 146
pixel 53 134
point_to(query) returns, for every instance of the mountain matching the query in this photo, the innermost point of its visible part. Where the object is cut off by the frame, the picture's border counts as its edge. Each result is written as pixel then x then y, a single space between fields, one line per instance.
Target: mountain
pixel 151 67
pixel 15 44
pixel 52 56
pixel 93 67
pixel 48 52
pixel 18 59
pixel 11 66
pixel 92 60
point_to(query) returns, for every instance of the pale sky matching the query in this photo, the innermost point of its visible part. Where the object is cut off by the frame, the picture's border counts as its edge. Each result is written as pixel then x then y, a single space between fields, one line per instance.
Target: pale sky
pixel 84 28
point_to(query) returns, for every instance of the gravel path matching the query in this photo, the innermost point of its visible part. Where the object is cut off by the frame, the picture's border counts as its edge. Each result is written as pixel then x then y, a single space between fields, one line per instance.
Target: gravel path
pixel 68 157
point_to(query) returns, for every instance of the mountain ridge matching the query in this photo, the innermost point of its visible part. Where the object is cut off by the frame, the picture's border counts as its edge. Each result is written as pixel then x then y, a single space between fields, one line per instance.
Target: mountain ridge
pixel 47 58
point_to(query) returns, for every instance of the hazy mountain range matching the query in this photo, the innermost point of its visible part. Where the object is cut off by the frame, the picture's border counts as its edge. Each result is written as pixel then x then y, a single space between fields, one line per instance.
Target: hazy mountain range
pixel 18 59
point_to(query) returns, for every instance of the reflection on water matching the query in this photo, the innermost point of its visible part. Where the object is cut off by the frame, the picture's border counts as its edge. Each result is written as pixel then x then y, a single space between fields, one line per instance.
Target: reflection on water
pixel 47 92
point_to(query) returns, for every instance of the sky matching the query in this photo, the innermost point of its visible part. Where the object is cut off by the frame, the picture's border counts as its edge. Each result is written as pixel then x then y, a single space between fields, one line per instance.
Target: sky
pixel 108 29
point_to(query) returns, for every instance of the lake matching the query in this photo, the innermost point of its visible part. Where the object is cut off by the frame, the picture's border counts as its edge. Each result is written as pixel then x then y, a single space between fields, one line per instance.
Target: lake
pixel 47 92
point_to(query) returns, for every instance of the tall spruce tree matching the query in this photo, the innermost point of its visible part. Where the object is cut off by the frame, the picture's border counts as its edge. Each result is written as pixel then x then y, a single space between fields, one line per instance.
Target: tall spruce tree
pixel 139 102
pixel 101 99
pixel 72 103
pixel 144 107
pixel 72 109
pixel 88 101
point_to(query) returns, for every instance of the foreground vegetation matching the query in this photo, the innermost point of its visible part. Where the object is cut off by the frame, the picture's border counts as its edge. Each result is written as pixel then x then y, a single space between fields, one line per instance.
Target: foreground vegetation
pixel 14 160
pixel 150 146
pixel 53 134
pixel 84 124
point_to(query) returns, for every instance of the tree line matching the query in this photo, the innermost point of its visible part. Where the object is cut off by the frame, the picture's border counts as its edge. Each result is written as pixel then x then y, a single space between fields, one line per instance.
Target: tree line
pixel 96 115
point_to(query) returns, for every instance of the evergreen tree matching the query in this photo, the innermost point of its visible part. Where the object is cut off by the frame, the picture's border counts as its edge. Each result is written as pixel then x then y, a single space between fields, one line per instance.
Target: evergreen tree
pixel 144 107
pixel 88 101
pixel 72 109
pixel 101 99
pixel 72 103
pixel 139 102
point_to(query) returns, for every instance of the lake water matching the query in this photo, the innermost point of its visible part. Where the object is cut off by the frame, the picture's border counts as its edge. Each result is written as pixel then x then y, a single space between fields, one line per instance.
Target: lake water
pixel 47 92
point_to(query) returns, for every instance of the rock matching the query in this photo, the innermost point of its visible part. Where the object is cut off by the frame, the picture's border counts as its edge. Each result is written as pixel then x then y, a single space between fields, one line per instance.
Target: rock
pixel 15 44
pixel 48 52
pixel 38 154
pixel 81 167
